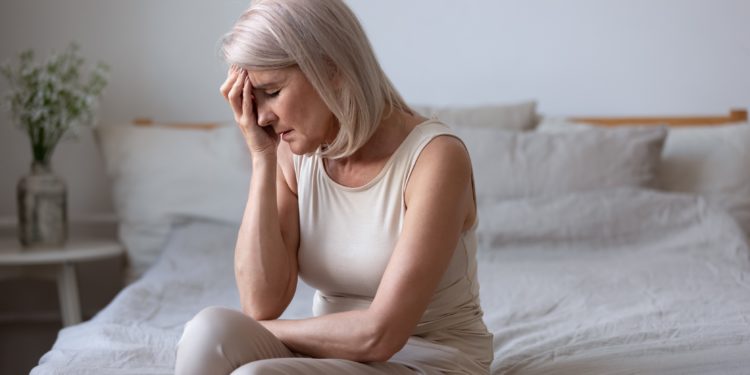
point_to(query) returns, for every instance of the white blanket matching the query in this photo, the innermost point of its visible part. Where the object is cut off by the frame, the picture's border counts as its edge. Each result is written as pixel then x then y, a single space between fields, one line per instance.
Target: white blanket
pixel 614 282
pixel 617 281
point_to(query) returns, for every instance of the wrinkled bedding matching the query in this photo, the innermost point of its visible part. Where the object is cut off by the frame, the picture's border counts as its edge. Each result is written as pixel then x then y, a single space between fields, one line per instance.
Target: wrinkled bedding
pixel 617 281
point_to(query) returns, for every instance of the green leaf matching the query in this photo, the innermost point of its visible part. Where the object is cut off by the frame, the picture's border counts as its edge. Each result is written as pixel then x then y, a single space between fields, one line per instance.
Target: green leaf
pixel 50 98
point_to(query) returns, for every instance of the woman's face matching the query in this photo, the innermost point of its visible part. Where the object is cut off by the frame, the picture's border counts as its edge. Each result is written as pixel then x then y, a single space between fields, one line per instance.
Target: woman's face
pixel 286 101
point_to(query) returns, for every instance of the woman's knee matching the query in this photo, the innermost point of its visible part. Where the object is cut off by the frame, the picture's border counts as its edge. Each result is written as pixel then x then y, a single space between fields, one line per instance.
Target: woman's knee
pixel 213 325
pixel 264 367
pixel 225 339
pixel 201 349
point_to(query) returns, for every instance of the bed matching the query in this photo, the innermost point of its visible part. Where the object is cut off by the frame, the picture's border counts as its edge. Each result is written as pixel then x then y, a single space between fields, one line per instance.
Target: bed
pixel 613 250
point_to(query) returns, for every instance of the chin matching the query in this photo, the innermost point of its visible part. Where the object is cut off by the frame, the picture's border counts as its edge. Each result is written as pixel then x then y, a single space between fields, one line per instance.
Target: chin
pixel 302 149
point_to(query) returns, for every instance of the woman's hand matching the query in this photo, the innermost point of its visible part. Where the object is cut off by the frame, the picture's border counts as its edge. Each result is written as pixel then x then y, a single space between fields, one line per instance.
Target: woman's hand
pixel 238 91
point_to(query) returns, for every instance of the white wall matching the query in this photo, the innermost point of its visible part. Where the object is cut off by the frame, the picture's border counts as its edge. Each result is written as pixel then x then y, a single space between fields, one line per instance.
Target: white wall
pixel 164 65
pixel 574 57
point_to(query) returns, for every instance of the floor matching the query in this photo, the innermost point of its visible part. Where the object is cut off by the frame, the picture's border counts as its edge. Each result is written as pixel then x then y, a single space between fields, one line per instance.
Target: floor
pixel 30 315
pixel 21 345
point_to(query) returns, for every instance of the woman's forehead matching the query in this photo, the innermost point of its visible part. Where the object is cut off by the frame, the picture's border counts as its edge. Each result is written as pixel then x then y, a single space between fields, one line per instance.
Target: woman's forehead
pixel 269 77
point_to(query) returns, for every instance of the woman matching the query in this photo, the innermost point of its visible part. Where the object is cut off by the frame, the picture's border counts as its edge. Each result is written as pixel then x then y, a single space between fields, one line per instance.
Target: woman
pixel 366 201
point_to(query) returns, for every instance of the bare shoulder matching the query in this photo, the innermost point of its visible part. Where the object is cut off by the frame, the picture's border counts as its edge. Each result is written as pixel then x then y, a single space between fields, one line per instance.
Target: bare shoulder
pixel 442 176
pixel 446 155
pixel 444 161
pixel 286 164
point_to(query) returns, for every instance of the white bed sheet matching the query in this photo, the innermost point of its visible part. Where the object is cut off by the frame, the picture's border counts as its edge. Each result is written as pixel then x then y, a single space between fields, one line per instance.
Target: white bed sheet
pixel 611 282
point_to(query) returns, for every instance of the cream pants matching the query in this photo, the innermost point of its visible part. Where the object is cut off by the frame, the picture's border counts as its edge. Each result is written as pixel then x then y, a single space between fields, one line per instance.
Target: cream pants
pixel 222 341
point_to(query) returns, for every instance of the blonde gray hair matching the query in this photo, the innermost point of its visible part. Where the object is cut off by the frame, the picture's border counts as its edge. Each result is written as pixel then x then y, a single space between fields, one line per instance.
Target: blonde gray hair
pixel 326 41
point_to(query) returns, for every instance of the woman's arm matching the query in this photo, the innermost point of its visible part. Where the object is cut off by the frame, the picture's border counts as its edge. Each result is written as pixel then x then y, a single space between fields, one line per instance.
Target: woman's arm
pixel 440 204
pixel 265 260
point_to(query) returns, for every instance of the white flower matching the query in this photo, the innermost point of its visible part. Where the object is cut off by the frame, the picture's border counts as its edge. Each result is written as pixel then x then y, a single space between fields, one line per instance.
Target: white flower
pixel 48 96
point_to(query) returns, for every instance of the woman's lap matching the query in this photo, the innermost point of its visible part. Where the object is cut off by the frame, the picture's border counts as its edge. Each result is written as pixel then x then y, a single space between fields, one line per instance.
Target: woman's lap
pixel 303 366
pixel 223 341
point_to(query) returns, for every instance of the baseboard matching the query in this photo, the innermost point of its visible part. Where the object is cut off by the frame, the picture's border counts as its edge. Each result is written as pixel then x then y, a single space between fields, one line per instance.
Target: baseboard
pixel 101 223
pixel 49 316
pixel 8 221
pixel 94 218
pixel 30 317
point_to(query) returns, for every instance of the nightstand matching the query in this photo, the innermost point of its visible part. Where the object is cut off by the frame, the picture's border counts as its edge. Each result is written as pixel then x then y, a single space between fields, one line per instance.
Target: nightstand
pixel 57 264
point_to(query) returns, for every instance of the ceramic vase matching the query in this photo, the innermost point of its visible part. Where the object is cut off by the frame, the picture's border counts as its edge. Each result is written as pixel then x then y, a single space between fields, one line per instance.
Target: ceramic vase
pixel 42 208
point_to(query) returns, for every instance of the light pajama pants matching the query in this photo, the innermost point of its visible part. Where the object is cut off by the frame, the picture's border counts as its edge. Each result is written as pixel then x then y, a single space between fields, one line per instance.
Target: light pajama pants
pixel 222 341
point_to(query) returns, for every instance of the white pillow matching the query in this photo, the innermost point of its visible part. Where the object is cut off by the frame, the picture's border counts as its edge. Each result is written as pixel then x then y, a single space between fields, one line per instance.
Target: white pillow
pixel 514 117
pixel 713 161
pixel 510 165
pixel 607 220
pixel 162 175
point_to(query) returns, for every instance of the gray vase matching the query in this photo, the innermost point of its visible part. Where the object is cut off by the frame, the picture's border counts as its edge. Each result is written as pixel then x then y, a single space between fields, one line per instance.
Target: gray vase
pixel 42 208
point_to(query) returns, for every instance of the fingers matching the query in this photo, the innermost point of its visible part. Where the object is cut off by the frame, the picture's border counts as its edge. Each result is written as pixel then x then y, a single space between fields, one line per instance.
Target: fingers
pixel 247 99
pixel 235 94
pixel 231 77
pixel 237 90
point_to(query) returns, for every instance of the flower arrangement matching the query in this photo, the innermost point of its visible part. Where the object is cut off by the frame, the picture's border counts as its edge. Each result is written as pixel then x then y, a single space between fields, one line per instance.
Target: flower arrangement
pixel 51 99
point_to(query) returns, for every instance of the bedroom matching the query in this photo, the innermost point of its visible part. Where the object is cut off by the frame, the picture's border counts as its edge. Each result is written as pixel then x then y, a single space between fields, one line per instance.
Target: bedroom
pixel 578 58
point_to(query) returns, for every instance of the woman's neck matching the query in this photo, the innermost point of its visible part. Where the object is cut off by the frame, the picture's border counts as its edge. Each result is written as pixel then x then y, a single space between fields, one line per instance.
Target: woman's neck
pixel 362 166
pixel 388 136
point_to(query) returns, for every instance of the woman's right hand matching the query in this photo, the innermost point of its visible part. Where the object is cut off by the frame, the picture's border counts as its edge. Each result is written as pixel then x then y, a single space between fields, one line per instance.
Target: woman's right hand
pixel 238 91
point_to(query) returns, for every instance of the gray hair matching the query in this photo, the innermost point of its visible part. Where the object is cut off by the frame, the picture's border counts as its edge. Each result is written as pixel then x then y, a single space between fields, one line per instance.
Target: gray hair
pixel 326 41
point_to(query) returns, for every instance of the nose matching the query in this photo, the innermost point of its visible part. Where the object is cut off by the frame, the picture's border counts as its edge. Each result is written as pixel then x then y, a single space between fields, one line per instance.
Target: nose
pixel 266 116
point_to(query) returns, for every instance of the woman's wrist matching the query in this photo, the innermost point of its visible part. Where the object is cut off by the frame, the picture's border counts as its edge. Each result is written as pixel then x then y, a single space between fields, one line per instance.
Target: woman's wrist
pixel 263 159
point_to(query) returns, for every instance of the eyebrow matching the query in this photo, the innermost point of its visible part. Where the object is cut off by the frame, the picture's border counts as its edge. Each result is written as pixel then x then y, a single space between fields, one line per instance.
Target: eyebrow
pixel 263 86
pixel 266 85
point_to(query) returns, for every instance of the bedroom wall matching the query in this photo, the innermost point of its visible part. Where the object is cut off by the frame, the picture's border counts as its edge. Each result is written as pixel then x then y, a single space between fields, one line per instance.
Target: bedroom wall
pixel 574 57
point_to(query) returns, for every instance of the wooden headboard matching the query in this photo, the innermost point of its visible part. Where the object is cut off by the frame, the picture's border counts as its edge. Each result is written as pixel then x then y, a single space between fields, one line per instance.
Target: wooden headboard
pixel 735 115
pixel 180 125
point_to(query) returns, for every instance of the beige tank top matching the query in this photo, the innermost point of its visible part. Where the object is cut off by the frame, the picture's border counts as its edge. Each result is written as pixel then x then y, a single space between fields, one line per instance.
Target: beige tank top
pixel 347 236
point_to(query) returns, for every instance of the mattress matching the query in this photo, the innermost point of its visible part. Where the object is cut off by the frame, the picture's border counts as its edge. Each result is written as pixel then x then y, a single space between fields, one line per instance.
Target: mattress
pixel 617 281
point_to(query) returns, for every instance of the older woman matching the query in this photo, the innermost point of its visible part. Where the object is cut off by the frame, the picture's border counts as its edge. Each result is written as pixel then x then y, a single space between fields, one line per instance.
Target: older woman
pixel 362 198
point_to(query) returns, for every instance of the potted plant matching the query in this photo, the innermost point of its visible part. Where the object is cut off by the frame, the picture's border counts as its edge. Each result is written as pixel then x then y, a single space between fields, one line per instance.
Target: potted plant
pixel 49 101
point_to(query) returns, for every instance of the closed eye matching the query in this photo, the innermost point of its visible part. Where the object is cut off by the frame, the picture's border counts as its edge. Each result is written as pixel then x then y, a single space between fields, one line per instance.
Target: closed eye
pixel 272 93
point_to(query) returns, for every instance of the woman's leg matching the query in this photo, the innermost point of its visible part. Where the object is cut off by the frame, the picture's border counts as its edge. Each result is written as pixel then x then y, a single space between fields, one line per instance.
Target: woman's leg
pixel 219 340
pixel 418 356
pixel 222 341
pixel 317 366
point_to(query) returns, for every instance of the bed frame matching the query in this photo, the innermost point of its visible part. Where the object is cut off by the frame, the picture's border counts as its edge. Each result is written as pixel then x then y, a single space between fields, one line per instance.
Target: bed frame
pixel 735 115
pixel 147 122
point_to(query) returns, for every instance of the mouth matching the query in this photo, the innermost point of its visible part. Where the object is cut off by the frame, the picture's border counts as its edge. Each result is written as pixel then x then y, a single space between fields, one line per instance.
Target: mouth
pixel 284 133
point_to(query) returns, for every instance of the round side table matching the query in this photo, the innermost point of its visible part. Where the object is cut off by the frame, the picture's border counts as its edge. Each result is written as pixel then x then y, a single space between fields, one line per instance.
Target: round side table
pixel 58 264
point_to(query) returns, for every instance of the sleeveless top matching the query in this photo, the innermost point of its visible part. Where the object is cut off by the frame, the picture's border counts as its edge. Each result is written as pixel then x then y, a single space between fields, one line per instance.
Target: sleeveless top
pixel 347 235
